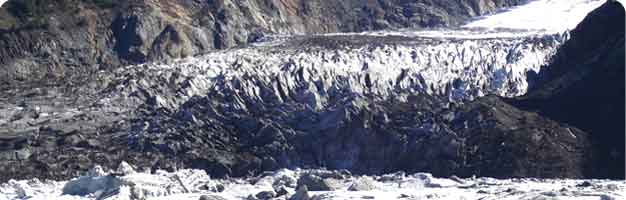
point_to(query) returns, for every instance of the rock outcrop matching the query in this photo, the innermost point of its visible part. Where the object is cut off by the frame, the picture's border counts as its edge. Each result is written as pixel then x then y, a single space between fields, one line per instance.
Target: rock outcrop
pixel 584 87
pixel 69 40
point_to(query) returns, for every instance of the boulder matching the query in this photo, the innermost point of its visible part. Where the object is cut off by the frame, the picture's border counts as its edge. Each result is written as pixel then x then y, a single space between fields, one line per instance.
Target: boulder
pixel 301 194
pixel 211 197
pixel 125 169
pixel 284 181
pixel 281 191
pixel 316 183
pixel 265 195
pixel 362 184
pixel 89 185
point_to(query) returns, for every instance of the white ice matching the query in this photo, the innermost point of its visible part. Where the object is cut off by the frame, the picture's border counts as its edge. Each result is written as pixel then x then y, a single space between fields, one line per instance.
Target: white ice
pixel 550 15
pixel 188 184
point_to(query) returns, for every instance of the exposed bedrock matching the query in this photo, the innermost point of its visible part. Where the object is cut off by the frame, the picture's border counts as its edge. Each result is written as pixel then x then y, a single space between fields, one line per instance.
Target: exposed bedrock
pixel 584 87
pixel 68 40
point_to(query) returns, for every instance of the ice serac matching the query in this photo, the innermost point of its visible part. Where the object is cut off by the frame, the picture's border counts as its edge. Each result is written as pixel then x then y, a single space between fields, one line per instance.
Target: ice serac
pixel 317 69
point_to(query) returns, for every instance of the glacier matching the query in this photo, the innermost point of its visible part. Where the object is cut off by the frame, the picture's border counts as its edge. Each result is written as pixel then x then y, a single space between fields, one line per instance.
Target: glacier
pixel 315 73
pixel 459 64
pixel 492 55
pixel 315 69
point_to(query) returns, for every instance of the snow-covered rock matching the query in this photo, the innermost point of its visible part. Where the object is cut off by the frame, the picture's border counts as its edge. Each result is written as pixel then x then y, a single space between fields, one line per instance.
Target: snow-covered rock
pixel 127 183
pixel 125 169
pixel 184 185
pixel 362 184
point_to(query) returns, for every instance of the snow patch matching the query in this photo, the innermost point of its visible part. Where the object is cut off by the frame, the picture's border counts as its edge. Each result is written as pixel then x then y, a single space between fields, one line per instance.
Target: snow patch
pixel 551 16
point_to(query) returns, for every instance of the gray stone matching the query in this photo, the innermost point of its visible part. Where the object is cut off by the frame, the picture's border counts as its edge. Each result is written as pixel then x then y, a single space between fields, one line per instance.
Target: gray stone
pixel 284 181
pixel 612 187
pixel 282 190
pixel 362 184
pixel 301 194
pixel 585 184
pixel 457 179
pixel 607 197
pixel 125 169
pixel 265 195
pixel 90 185
pixel 316 183
pixel 211 197
pixel 251 197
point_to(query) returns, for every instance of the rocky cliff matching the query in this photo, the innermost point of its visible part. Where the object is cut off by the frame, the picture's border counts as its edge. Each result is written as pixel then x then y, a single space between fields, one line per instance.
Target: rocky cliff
pixel 584 87
pixel 68 40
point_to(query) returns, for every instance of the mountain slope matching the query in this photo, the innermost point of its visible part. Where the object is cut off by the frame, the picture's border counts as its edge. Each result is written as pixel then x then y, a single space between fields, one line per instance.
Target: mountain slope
pixel 69 40
pixel 584 87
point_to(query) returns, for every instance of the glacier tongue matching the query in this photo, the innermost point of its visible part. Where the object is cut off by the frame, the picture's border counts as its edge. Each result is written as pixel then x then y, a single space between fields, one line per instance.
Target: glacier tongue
pixel 314 69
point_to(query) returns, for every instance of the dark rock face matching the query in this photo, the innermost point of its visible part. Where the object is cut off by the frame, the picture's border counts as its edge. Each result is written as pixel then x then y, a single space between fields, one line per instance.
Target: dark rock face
pixel 361 134
pixel 516 143
pixel 70 39
pixel 584 87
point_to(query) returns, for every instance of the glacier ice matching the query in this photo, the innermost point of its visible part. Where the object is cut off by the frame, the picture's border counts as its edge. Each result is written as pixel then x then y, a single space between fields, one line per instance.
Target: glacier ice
pixel 315 69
